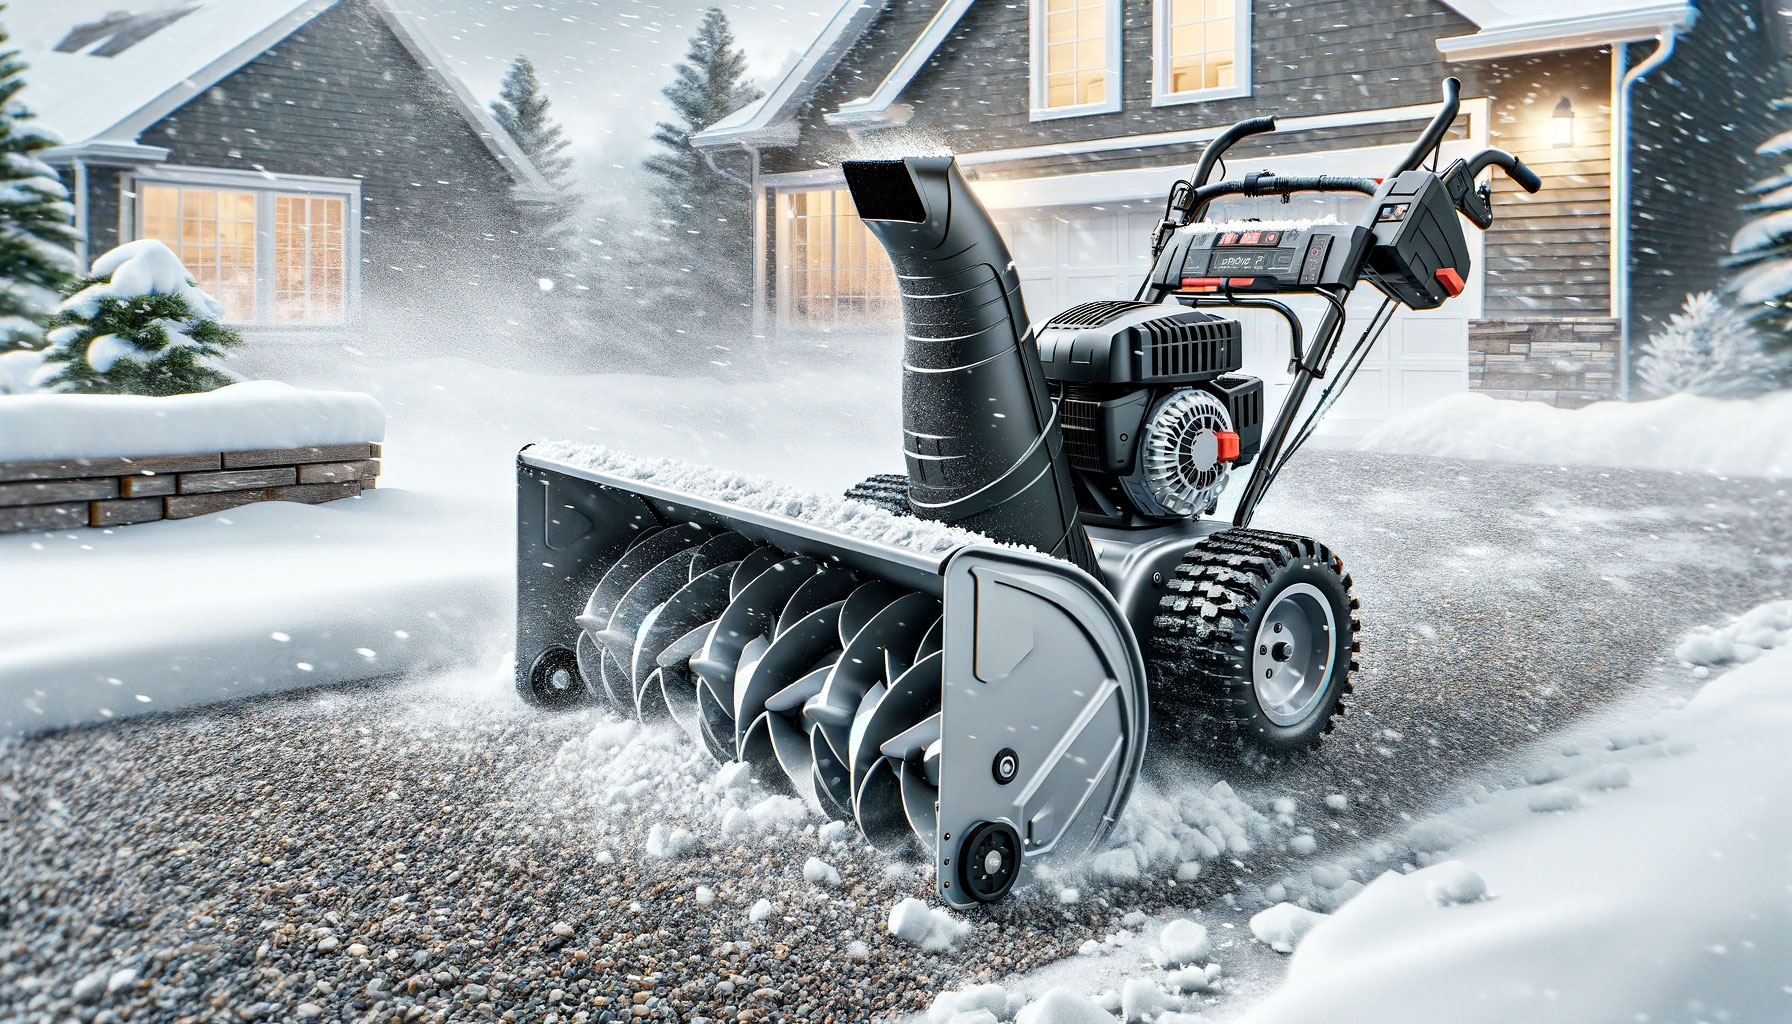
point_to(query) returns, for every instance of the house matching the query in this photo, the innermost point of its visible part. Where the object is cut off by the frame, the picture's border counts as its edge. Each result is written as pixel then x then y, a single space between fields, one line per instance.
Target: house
pixel 1073 117
pixel 310 160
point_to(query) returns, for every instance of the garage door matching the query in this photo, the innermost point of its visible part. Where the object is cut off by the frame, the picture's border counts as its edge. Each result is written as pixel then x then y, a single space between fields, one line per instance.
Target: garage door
pixel 1073 254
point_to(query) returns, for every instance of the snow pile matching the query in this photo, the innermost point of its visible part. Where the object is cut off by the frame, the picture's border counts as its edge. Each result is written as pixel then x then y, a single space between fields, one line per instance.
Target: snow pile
pixel 241 417
pixel 269 597
pixel 763 494
pixel 1173 833
pixel 1683 433
pixel 1662 900
pixel 1758 631
pixel 635 772
pixel 915 922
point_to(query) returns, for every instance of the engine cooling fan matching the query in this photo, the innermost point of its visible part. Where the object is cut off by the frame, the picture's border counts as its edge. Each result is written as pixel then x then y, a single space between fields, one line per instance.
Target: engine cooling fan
pixel 1186 453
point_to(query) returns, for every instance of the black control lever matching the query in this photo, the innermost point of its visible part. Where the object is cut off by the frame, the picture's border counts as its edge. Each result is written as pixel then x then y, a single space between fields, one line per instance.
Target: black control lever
pixel 1476 202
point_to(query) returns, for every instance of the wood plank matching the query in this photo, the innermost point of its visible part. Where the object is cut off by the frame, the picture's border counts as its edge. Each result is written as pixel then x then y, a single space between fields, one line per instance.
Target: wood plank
pixel 295 456
pixel 70 469
pixel 52 492
pixel 237 480
pixel 147 486
pixel 186 506
pixel 315 494
pixel 42 517
pixel 336 472
pixel 124 511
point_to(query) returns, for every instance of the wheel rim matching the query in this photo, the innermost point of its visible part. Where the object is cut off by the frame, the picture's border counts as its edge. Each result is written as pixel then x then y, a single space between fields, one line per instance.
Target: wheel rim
pixel 1291 656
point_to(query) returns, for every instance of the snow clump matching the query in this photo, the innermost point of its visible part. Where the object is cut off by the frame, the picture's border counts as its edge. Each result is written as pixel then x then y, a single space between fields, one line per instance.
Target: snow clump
pixel 1753 634
pixel 1451 882
pixel 915 922
pixel 819 872
pixel 669 844
pixel 1182 942
pixel 1282 926
pixel 1141 999
pixel 759 911
pixel 951 1007
pixel 1063 1006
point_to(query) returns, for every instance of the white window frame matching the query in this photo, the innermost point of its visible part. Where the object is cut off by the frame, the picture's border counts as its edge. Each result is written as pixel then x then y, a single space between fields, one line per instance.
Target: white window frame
pixel 1161 96
pixel 266 187
pixel 1111 98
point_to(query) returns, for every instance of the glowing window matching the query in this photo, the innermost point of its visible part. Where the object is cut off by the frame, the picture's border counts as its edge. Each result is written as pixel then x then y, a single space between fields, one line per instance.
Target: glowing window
pixel 835 272
pixel 1203 49
pixel 213 232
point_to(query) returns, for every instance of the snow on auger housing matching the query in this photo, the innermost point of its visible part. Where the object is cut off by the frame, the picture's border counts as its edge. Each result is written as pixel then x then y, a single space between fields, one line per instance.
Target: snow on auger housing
pixel 991 699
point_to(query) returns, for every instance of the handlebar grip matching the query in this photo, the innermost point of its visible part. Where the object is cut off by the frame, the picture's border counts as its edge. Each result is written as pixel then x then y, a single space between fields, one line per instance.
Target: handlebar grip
pixel 1527 179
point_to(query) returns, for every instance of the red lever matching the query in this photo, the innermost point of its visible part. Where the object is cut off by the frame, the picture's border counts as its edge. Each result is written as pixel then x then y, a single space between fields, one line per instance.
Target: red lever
pixel 1451 280
pixel 1228 445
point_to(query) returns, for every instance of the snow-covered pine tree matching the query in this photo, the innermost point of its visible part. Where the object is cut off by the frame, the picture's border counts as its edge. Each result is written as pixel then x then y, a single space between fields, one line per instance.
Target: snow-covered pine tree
pixel 37 234
pixel 139 326
pixel 1707 348
pixel 522 110
pixel 1763 246
pixel 704 215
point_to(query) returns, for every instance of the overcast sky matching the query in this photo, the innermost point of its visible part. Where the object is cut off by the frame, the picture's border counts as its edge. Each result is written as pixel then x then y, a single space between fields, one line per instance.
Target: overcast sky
pixel 604 62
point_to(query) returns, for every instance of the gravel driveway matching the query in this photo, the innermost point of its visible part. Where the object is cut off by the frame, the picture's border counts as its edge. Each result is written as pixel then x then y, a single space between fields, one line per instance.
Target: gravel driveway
pixel 429 850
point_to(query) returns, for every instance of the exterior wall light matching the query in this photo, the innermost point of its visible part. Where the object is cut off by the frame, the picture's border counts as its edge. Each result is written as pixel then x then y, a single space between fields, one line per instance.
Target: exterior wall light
pixel 1561 125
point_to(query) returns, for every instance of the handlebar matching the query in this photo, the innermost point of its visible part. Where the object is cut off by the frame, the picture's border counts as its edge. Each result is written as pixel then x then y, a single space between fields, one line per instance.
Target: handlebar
pixel 1434 132
pixel 1263 183
pixel 1226 140
pixel 1515 169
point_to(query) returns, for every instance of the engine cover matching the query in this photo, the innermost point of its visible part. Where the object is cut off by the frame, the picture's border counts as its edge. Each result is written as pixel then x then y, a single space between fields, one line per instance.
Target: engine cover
pixel 1116 342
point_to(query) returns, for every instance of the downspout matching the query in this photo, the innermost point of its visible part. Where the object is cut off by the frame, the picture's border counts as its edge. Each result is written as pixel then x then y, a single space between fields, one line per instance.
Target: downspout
pixel 81 214
pixel 755 185
pixel 1664 48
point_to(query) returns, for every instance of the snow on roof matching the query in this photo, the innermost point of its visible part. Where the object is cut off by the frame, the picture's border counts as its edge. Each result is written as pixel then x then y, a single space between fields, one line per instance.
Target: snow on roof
pixel 1512 27
pixel 768 120
pixel 103 71
pixel 98 68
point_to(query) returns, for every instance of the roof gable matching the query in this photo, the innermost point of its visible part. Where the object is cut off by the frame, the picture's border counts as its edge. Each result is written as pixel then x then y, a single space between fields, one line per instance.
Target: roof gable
pixel 101 74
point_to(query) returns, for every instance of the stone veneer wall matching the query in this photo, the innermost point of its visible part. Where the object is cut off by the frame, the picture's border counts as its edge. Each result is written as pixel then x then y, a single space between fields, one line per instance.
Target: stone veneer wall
pixel 1565 361
pixel 66 493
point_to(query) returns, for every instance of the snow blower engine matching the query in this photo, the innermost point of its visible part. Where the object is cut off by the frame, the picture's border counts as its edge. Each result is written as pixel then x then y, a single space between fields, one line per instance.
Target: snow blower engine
pixel 987 701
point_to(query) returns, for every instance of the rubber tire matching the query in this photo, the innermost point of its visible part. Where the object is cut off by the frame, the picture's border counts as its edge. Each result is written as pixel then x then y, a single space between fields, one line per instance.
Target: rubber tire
pixel 888 491
pixel 534 688
pixel 1205 625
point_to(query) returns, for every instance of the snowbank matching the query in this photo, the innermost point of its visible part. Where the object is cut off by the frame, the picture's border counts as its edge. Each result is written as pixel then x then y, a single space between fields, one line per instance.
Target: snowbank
pixel 98 624
pixel 1659 899
pixel 242 417
pixel 1685 433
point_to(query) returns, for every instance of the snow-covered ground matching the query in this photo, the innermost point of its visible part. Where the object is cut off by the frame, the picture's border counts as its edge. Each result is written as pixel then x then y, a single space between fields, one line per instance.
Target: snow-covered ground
pixel 97 624
pixel 1636 870
pixel 1683 433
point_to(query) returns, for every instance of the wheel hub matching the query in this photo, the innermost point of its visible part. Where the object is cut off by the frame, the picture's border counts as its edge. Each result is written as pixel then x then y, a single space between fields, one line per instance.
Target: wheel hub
pixel 1292 655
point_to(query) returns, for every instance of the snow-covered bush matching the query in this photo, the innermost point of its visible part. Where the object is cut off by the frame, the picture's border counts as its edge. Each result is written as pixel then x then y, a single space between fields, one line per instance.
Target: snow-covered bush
pixel 139 326
pixel 37 234
pixel 1707 348
pixel 20 370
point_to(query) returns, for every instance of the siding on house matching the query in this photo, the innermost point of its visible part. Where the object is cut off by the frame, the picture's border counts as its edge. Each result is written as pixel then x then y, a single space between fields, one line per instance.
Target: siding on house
pixel 1696 121
pixel 1547 255
pixel 343 98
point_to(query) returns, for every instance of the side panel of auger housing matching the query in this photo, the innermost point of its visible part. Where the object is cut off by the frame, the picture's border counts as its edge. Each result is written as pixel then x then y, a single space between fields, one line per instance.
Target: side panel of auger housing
pixel 1044 713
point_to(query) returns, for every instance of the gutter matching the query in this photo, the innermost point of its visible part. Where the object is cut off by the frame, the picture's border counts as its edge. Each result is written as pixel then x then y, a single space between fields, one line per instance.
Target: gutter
pixel 1573 32
pixel 1664 48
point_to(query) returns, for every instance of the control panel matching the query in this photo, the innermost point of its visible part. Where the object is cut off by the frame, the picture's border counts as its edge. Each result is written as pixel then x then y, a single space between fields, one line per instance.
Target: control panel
pixel 1278 257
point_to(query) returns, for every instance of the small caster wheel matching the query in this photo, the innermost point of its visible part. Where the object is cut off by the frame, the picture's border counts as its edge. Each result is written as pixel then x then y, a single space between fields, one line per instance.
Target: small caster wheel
pixel 989 861
pixel 553 682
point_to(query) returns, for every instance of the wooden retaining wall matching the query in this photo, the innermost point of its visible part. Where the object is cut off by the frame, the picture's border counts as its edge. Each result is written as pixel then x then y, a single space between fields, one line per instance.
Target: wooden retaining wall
pixel 66 493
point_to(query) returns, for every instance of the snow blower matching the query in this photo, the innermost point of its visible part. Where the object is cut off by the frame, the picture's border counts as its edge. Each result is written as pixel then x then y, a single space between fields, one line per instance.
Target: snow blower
pixel 989 699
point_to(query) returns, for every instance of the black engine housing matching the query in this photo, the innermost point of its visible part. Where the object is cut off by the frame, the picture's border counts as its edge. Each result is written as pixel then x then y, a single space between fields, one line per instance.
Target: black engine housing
pixel 1109 364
